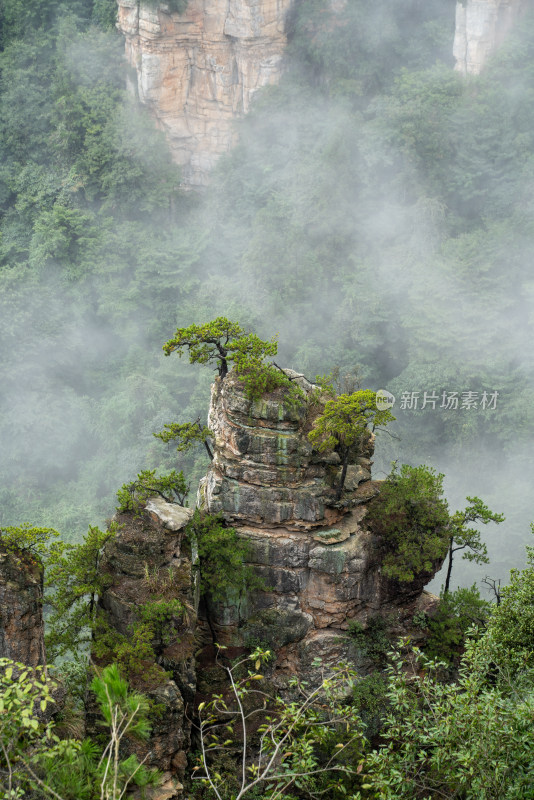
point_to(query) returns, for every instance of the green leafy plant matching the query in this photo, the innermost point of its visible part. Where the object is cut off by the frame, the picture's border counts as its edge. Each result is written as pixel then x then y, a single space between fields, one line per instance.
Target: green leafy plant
pixel 412 518
pixel 456 614
pixel 28 539
pixel 161 615
pixel 75 581
pixel 220 341
pixel 466 538
pixel 343 425
pixel 188 435
pixel 312 745
pixel 470 739
pixel 133 496
pixel 224 342
pixel 510 628
pixel 369 697
pixel 36 762
pixel 221 559
pixel 373 639
pixel 134 654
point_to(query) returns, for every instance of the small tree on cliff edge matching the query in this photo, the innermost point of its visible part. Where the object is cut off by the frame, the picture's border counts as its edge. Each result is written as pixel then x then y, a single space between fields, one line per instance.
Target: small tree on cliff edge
pixel 224 342
pixel 219 341
pixel 343 423
pixel 465 538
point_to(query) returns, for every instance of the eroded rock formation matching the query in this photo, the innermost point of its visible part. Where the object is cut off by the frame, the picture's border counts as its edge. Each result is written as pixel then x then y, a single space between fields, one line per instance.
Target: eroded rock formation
pixel 21 608
pixel 198 70
pixel 320 561
pixel 481 26
pixel 149 559
pixel 265 471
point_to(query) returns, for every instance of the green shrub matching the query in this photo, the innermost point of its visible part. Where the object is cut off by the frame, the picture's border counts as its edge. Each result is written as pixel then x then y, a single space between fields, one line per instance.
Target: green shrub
pixel 160 615
pixel 411 516
pixel 222 554
pixel 133 496
pixel 372 639
pixel 457 612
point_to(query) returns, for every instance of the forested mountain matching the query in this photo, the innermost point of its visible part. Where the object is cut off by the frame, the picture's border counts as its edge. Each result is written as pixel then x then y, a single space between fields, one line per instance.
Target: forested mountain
pixel 375 212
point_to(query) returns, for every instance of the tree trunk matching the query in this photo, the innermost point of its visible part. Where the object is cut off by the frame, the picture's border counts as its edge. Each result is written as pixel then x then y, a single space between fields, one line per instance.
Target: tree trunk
pixel 343 476
pixel 449 569
pixel 208 449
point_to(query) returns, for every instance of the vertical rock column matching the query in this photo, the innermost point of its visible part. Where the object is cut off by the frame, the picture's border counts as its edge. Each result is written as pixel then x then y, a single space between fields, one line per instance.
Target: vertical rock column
pixel 148 561
pixel 481 26
pixel 320 562
pixel 198 70
pixel 21 608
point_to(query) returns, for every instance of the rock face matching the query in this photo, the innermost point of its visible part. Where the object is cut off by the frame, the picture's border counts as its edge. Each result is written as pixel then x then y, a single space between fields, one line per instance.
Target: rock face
pixel 481 26
pixel 21 608
pixel 265 471
pixel 198 70
pixel 318 558
pixel 149 561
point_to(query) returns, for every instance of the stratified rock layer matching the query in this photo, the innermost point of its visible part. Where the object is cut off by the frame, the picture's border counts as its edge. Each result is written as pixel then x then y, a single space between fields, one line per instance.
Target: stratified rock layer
pixel 481 26
pixel 265 471
pixel 199 70
pixel 21 608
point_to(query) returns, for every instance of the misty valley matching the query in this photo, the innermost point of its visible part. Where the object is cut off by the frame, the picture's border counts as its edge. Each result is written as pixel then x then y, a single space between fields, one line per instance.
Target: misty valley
pixel 266 419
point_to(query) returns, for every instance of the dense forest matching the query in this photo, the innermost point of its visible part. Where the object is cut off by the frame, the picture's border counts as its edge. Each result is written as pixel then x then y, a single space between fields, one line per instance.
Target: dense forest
pixel 376 212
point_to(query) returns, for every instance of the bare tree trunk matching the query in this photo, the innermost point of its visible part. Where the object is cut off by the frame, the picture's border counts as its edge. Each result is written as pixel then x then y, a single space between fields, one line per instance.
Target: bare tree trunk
pixel 449 569
pixel 208 449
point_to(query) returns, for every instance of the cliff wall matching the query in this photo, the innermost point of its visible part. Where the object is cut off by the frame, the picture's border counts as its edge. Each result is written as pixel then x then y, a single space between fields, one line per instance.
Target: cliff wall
pixel 198 70
pixel 21 608
pixel 481 26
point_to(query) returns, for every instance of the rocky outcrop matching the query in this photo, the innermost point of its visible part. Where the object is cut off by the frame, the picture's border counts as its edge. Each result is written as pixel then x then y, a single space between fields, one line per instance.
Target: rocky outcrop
pixel 481 26
pixel 319 560
pixel 265 471
pixel 198 70
pixel 149 561
pixel 21 608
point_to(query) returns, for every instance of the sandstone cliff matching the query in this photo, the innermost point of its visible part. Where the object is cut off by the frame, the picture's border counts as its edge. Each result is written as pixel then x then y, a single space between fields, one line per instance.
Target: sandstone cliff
pixel 481 26
pixel 198 71
pixel 318 558
pixel 21 608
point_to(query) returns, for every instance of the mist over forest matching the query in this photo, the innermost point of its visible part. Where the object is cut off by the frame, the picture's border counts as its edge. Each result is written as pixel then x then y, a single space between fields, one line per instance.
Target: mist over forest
pixel 376 213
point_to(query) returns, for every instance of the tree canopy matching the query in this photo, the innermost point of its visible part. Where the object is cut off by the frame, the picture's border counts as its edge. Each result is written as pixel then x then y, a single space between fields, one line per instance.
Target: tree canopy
pixel 344 423
pixel 220 341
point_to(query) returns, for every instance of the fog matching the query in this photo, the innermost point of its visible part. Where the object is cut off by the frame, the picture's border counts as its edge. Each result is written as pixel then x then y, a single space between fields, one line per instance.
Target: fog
pixel 327 226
